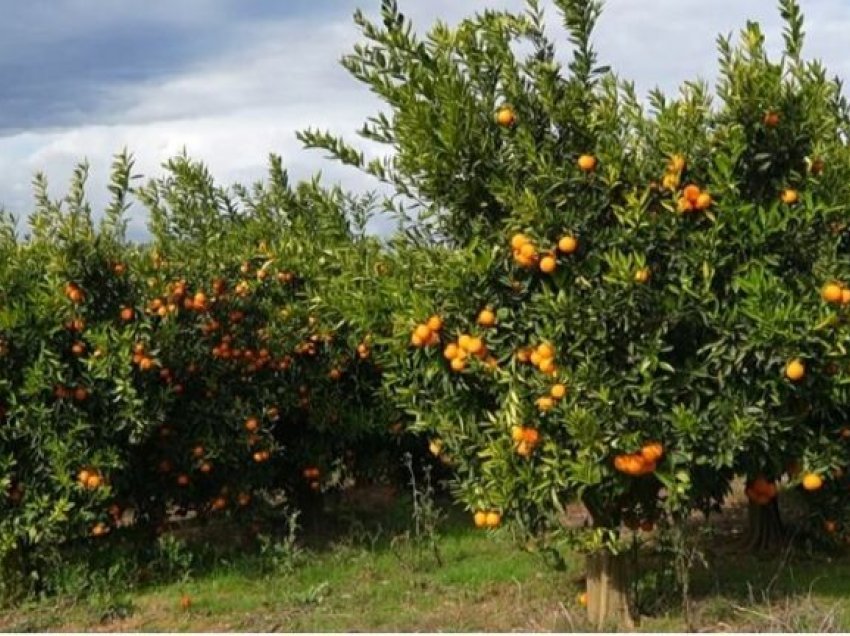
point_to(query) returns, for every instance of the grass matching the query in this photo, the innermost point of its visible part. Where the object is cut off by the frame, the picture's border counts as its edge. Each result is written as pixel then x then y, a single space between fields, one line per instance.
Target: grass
pixel 376 580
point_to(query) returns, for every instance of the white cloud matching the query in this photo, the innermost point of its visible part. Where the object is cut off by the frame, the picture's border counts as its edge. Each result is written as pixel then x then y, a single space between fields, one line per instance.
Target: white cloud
pixel 232 111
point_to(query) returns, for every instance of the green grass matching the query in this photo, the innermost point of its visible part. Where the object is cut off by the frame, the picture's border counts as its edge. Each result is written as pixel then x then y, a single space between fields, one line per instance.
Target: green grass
pixel 376 583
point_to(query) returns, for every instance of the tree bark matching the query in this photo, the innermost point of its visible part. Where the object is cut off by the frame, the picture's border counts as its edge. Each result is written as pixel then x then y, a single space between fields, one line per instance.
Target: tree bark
pixel 765 532
pixel 609 591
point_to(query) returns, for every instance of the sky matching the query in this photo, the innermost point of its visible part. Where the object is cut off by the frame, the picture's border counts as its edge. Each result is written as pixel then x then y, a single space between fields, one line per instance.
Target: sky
pixel 231 81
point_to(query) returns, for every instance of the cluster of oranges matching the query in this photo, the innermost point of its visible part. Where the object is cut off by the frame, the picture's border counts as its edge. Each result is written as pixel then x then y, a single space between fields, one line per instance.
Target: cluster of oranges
pixel 526 255
pixel 427 334
pixel 74 293
pixel 642 462
pixel 312 474
pixel 78 394
pixel 835 293
pixel 141 359
pixel 556 393
pixel 525 439
pixel 693 199
pixel 90 478
pixel 761 491
pixel 542 357
pixel 487 519
pixel 458 353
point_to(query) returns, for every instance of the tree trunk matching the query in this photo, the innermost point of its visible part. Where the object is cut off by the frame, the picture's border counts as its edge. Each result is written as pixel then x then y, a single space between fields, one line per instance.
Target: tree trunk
pixel 608 591
pixel 765 532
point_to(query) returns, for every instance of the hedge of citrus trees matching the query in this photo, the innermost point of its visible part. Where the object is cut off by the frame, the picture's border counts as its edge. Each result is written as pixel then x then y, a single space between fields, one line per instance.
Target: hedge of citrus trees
pixel 192 374
pixel 620 304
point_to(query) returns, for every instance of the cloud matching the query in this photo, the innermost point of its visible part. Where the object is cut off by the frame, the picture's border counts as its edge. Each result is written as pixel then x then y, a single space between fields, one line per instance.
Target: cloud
pixel 232 80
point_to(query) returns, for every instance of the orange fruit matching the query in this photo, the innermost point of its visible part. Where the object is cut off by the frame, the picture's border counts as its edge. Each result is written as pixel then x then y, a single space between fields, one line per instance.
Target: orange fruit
pixel 691 193
pixel 795 370
pixel 530 436
pixel 518 240
pixel 546 351
pixel 435 323
pixel 832 293
pixel 517 433
pixel 423 332
pixel 183 480
pixel 548 264
pixel 845 296
pixel 451 351
pixel 547 365
pixel 652 452
pixel 683 205
pixel 642 275
pixel 771 119
pixel 558 391
pixel 458 364
pixel 830 526
pixel 582 599
pixel 93 481
pixel 587 163
pixel 545 403
pixel 493 519
pixel 252 424
pixel 812 482
pixel 486 318
pixel 506 117
pixel 789 196
pixel 475 345
pixel 568 244
pixel 703 201
pixel 480 519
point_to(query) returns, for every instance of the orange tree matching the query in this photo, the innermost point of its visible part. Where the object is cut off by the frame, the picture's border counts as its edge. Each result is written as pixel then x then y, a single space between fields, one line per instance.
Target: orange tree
pixel 194 373
pixel 601 303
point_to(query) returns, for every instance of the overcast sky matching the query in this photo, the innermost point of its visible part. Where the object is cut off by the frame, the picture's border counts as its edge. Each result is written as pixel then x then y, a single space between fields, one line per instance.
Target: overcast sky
pixel 232 80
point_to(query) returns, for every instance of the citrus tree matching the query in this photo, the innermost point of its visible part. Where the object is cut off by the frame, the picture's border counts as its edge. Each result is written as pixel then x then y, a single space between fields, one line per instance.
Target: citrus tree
pixel 608 302
pixel 204 372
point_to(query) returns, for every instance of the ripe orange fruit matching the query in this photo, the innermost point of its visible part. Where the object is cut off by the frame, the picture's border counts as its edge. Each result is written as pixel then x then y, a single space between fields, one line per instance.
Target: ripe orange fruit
pixel 547 366
pixel 558 391
pixel 812 482
pixel 451 351
pixel 78 348
pixel 486 318
pixel 506 117
pixel 832 293
pixel 683 205
pixel 480 519
pixel 518 240
pixel 545 403
pixel 587 163
pixel 789 196
pixel 206 468
pixel 81 394
pixel 530 436
pixel 845 296
pixel 458 364
pixel 252 424
pixel 795 370
pixel 475 345
pixel 94 481
pixel 517 433
pixel 771 119
pixel 691 193
pixel 703 201
pixel 830 526
pixel 546 351
pixel 548 264
pixel 642 275
pixel 493 519
pixel 127 314
pixel 422 332
pixel 568 244
pixel 652 452
pixel 183 480
pixel 435 323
